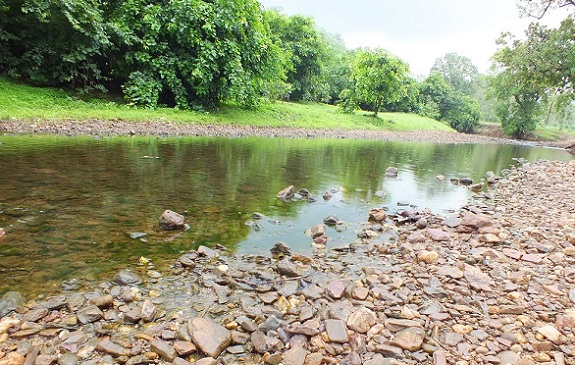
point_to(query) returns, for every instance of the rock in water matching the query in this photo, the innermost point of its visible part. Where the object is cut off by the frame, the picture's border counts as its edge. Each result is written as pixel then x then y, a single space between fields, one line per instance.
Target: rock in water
pixel 9 302
pixel 286 193
pixel 126 277
pixel 209 337
pixel 280 249
pixel 377 214
pixel 391 172
pixel 170 221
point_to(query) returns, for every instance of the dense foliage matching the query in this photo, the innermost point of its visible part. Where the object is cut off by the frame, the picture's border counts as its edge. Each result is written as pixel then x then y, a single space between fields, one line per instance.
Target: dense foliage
pixel 196 54
pixel 179 53
pixel 377 77
pixel 533 75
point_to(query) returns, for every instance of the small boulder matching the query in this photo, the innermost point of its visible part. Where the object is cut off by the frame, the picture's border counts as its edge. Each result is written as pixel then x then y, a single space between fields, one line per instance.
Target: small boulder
pixel 170 220
pixel 9 302
pixel 336 330
pixel 410 339
pixel 288 268
pixel 391 172
pixel 89 314
pixel 287 193
pixel 126 277
pixel 332 220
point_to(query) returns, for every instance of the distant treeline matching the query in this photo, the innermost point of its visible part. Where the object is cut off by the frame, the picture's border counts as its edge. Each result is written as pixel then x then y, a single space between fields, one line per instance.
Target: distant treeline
pixel 196 54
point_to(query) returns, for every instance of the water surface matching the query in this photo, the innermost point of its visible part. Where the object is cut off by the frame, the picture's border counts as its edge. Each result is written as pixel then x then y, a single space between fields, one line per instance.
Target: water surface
pixel 69 204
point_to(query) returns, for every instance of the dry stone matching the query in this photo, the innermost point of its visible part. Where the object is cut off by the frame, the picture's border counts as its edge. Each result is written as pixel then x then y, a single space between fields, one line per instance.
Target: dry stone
pixel 209 337
pixel 362 320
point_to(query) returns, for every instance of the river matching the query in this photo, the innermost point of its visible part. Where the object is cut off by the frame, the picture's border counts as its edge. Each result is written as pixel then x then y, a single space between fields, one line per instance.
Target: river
pixel 69 205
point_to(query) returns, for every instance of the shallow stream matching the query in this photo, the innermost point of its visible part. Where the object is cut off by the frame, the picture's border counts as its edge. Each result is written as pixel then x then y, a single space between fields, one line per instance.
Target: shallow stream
pixel 69 205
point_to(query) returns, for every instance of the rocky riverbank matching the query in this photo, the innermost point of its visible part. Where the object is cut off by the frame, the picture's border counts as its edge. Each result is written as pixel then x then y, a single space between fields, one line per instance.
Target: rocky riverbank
pixel 101 128
pixel 491 284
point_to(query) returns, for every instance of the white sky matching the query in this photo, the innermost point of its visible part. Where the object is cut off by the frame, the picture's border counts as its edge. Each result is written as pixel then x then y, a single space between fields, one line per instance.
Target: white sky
pixel 418 31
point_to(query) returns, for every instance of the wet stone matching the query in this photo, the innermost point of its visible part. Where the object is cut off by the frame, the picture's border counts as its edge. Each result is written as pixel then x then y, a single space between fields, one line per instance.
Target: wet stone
pixel 288 268
pixel 9 302
pixel 163 349
pixel 109 347
pixel 89 314
pixel 35 314
pixel 170 220
pixel 127 277
pixel 103 301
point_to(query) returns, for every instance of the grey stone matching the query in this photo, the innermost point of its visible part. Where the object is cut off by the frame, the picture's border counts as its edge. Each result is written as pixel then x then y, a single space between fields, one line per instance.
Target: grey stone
pixel 9 302
pixel 68 359
pixel 263 343
pixel 126 277
pixel 336 330
pixel 294 356
pixel 288 268
pixel 148 311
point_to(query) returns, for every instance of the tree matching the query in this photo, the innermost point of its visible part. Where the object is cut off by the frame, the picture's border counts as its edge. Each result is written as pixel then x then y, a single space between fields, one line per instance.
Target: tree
pixel 440 101
pixel 538 8
pixel 55 43
pixel 528 72
pixel 336 70
pixel 378 78
pixel 299 38
pixel 196 52
pixel 459 72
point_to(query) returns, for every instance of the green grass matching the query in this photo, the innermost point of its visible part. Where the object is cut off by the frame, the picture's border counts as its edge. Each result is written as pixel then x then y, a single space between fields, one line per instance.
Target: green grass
pixel 47 104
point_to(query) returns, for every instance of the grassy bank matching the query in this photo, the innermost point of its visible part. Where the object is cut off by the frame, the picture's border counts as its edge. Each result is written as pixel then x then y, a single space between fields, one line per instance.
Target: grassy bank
pixel 27 102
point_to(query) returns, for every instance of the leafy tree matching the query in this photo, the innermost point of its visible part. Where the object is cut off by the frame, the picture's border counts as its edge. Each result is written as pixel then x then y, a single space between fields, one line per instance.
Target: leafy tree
pixel 378 78
pixel 530 71
pixel 408 103
pixel 433 94
pixel 463 112
pixel 337 70
pixel 459 72
pixel 439 101
pixel 57 43
pixel 196 52
pixel 298 36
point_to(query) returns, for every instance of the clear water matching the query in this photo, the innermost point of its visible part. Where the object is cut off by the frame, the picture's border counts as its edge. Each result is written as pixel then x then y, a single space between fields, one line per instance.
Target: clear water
pixel 69 204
